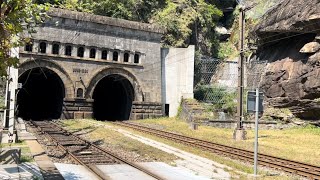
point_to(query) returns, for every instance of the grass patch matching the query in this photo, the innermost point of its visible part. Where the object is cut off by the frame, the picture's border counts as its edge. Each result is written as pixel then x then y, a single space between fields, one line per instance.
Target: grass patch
pixel 17 144
pixel 236 165
pixel 26 158
pixel 117 140
pixel 299 144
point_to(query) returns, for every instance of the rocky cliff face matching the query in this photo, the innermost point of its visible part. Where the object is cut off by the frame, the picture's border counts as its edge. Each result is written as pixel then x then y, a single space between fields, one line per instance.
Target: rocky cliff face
pixel 292 78
pixel 290 43
pixel 291 16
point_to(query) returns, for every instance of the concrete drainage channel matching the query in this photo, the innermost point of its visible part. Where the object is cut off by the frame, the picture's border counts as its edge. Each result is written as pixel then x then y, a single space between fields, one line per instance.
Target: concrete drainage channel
pixel 204 168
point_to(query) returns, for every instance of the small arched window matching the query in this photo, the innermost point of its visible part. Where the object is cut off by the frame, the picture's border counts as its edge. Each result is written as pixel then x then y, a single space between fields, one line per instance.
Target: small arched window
pixel 28 47
pixel 80 52
pixel 136 58
pixel 115 56
pixel 68 50
pixel 92 53
pixel 104 54
pixel 55 48
pixel 126 57
pixel 79 93
pixel 43 47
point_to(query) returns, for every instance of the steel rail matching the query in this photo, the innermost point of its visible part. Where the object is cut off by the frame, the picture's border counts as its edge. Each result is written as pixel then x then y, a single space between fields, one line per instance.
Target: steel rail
pixel 97 174
pixel 95 171
pixel 303 169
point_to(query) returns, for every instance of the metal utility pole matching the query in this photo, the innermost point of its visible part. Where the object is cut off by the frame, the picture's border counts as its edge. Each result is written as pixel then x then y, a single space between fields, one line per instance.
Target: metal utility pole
pixel 255 165
pixel 239 133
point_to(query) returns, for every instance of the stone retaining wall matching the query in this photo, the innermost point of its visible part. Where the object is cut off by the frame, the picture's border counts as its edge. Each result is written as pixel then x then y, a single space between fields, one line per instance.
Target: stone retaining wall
pixel 77 109
pixel 246 124
pixel 192 113
pixel 145 110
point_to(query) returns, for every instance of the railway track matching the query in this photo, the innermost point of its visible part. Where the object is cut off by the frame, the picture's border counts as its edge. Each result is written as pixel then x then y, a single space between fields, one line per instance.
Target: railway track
pixel 82 151
pixel 294 167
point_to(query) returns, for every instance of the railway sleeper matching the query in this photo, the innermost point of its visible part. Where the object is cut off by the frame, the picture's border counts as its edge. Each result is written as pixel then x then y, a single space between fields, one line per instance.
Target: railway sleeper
pixel 99 161
pixel 91 156
pixel 72 143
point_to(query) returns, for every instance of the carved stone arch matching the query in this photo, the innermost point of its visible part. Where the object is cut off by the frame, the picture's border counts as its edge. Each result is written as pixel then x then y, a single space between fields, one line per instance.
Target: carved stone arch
pixel 138 93
pixel 61 72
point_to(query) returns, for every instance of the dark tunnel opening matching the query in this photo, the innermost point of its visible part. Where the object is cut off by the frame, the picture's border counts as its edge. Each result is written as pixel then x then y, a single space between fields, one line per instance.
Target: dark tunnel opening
pixel 41 96
pixel 113 97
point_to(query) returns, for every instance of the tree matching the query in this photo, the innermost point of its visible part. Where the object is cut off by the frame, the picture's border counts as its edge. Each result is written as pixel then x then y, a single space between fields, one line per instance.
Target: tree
pixel 135 10
pixel 190 22
pixel 15 17
pixel 185 21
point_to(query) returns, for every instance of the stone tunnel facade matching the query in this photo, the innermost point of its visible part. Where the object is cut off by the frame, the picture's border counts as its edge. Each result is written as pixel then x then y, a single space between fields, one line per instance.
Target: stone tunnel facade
pixel 102 63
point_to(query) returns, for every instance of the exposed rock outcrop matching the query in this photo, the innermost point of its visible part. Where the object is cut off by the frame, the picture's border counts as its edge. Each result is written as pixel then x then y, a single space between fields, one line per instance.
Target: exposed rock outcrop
pixel 291 16
pixel 289 36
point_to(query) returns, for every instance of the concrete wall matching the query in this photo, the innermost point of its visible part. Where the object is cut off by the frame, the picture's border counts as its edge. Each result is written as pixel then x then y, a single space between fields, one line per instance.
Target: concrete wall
pixel 228 74
pixel 177 76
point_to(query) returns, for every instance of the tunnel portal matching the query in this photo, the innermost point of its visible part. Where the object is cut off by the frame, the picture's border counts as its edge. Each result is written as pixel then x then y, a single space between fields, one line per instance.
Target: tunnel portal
pixel 113 97
pixel 41 95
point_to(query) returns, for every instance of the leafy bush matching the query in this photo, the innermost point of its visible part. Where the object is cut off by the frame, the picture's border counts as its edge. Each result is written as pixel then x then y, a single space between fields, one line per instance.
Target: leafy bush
pixel 220 98
pixel 209 93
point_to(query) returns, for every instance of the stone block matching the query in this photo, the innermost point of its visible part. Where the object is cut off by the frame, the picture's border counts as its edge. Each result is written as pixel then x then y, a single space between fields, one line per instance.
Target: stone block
pixel 88 115
pixel 78 115
pixel 133 116
pixel 157 111
pixel 145 116
pixel 138 111
pixel 149 111
pixel 139 116
pixel 68 103
pixel 85 108
pixel 82 104
pixel 68 108
pixel 67 115
pixel 158 115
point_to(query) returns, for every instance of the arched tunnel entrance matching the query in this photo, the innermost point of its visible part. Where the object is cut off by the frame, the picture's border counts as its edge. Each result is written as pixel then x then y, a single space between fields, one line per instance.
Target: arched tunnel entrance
pixel 113 97
pixel 41 96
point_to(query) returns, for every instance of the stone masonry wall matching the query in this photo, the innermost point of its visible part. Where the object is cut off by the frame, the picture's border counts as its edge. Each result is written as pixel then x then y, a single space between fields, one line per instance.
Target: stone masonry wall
pixel 145 110
pixel 101 33
pixel 77 109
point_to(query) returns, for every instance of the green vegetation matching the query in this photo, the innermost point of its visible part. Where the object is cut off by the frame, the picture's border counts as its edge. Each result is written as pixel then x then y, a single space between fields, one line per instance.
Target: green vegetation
pixel 26 158
pixel 283 115
pixel 220 98
pixel 16 16
pixel 185 21
pixel 229 49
